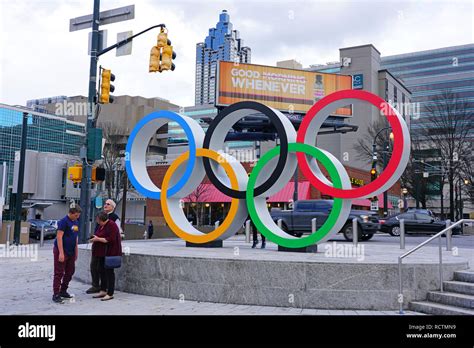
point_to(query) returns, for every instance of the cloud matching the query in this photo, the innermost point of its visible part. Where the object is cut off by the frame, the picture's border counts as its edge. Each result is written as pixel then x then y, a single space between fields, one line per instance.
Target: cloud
pixel 39 57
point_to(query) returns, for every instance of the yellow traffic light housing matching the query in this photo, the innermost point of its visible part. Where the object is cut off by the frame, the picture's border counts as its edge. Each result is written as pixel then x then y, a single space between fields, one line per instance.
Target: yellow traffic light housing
pixel 162 38
pixel 162 55
pixel 75 173
pixel 106 87
pixel 373 174
pixel 155 60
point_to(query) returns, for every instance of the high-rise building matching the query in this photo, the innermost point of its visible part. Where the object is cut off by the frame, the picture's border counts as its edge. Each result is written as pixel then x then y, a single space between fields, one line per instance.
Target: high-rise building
pixel 430 73
pixel 222 43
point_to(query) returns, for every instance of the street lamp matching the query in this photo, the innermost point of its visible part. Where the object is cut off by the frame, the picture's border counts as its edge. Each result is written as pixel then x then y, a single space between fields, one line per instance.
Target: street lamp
pixel 209 206
pixel 404 195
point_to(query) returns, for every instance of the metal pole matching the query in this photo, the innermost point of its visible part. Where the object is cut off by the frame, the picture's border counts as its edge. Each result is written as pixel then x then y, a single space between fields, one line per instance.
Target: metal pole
pixel 85 200
pixel 440 265
pixel 21 178
pixel 355 234
pixel 216 225
pixel 385 193
pixel 400 291
pixel 9 227
pixel 402 234
pixel 280 223
pixel 124 199
pixel 42 236
pixel 247 231
pixel 314 225
pixel 449 234
pixel 295 192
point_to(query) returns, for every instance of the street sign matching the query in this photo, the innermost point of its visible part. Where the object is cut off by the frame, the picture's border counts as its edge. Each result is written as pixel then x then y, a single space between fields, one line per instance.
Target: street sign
pixel 106 17
pixel 374 205
pixel 102 41
pixel 124 50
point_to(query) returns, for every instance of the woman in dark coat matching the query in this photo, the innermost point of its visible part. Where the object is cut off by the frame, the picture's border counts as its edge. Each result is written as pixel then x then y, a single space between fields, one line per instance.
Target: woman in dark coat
pixel 106 242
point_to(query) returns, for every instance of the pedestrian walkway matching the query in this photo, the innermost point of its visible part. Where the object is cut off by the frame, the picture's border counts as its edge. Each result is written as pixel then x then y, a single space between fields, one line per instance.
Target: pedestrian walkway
pixel 26 289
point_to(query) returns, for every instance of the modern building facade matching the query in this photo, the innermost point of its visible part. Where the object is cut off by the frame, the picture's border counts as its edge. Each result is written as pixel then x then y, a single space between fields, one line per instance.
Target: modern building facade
pixel 222 43
pixel 45 134
pixel 447 74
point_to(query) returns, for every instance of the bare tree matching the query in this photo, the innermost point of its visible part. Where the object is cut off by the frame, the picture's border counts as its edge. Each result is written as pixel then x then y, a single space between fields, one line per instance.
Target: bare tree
pixel 195 204
pixel 115 139
pixel 449 127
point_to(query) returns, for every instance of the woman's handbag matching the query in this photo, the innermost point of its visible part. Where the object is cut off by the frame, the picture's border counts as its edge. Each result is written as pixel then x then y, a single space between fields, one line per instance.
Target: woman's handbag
pixel 113 261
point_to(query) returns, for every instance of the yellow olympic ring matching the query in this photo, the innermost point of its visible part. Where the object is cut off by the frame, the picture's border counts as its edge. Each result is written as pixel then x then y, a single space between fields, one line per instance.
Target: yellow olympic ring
pixel 204 238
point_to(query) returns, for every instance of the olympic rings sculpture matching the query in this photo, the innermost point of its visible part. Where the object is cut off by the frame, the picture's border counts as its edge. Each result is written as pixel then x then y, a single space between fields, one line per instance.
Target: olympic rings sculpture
pixel 271 173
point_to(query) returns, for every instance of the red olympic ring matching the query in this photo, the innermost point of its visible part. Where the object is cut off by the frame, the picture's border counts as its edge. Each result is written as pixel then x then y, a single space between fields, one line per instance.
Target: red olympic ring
pixel 392 164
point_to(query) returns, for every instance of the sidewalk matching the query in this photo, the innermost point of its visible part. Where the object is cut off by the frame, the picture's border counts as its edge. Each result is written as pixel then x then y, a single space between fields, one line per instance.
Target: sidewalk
pixel 26 289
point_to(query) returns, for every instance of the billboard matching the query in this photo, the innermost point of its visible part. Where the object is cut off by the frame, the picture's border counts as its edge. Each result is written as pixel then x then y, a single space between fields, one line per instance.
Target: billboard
pixel 284 89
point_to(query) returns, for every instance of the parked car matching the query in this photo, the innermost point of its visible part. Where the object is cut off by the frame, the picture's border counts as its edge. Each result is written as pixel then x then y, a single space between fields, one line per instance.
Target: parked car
pixel 414 223
pixel 298 221
pixel 53 223
pixel 36 226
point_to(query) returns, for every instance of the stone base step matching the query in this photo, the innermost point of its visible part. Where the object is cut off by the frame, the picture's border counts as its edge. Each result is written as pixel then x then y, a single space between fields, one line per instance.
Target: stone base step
pixel 452 299
pixel 464 276
pixel 439 309
pixel 459 287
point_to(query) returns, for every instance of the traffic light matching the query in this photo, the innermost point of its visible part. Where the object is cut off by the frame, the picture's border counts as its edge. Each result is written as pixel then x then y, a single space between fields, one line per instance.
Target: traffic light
pixel 373 174
pixel 98 174
pixel 106 87
pixel 74 173
pixel 162 55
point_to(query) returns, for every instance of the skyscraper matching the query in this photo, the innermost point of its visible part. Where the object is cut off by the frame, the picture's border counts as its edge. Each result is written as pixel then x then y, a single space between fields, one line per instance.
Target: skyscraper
pixel 222 43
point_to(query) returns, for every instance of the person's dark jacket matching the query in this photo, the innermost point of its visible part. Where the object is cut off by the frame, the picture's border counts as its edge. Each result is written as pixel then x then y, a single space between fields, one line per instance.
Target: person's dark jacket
pixel 111 233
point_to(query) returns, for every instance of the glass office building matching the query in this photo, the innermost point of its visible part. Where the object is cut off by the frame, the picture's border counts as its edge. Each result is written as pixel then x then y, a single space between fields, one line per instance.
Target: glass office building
pixel 427 74
pixel 222 43
pixel 45 133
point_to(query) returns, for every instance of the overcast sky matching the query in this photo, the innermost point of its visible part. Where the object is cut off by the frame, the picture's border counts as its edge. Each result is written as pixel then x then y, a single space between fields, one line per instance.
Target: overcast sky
pixel 39 57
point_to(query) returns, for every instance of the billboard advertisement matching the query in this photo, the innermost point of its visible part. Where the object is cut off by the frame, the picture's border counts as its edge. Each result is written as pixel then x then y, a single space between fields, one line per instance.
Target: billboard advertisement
pixel 288 90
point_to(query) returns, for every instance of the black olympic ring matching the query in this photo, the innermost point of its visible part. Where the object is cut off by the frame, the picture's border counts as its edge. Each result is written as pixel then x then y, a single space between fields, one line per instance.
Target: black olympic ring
pixel 280 129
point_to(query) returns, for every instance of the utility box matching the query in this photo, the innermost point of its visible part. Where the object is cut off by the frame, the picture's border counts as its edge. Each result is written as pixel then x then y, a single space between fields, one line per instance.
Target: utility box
pixel 94 144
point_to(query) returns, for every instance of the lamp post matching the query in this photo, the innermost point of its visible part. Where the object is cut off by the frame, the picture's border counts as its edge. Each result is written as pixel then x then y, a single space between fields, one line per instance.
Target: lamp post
pixel 384 158
pixel 404 195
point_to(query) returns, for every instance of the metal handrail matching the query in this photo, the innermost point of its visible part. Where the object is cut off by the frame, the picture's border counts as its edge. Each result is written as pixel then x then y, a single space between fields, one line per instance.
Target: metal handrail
pixel 411 251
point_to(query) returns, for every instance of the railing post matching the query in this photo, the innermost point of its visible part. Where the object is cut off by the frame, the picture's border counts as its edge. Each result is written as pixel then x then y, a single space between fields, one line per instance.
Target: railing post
pixel 280 223
pixel 400 291
pixel 42 236
pixel 314 225
pixel 247 231
pixel 9 227
pixel 449 234
pixel 440 265
pixel 402 234
pixel 355 233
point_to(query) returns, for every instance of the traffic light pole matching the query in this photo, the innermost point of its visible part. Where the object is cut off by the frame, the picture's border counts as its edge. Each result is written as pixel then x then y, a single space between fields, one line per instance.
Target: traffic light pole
pixel 85 200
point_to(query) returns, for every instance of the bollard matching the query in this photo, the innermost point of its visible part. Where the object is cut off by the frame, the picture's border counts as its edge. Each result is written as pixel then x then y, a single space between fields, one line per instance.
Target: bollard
pixel 42 236
pixel 355 233
pixel 449 234
pixel 247 231
pixel 280 223
pixel 216 225
pixel 314 225
pixel 402 234
pixel 9 227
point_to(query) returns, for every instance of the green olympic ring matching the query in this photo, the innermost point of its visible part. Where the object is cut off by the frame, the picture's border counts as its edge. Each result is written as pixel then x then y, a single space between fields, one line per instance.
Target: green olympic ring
pixel 330 221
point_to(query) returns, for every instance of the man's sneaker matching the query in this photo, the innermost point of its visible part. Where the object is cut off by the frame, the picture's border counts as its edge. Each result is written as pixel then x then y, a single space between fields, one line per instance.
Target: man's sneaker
pixel 92 290
pixel 65 294
pixel 263 245
pixel 254 245
pixel 57 298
